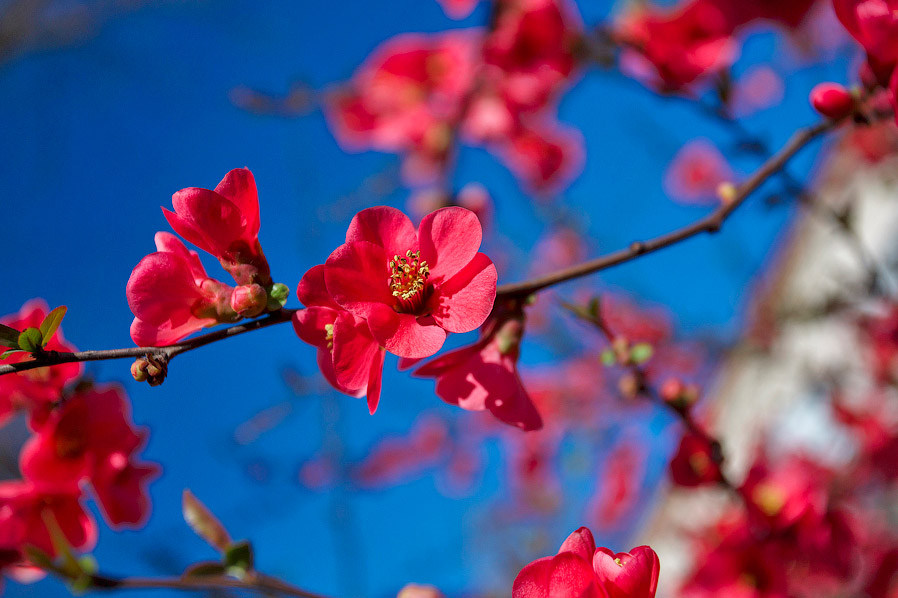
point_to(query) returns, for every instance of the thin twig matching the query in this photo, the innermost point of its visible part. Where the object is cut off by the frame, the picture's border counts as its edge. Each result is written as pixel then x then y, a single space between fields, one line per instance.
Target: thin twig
pixel 48 358
pixel 262 584
pixel 709 224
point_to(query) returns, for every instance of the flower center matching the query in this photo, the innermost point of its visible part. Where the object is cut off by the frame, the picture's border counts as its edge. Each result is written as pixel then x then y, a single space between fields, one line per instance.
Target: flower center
pixel 408 279
pixel 329 335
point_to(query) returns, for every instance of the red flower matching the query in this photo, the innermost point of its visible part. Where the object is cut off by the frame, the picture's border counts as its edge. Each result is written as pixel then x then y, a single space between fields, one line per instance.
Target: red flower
pixel 874 24
pixel 580 570
pixel 90 437
pixel 171 296
pixel 544 157
pixel 225 223
pixel 694 463
pixel 349 357
pixel 413 287
pixel 405 99
pixel 24 507
pixel 631 574
pixel 696 173
pixel 485 376
pixel 674 50
pixel 531 48
pixel 37 388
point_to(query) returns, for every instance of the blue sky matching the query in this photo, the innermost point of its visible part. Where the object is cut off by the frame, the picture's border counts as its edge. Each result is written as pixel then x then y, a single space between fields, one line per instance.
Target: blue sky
pixel 98 135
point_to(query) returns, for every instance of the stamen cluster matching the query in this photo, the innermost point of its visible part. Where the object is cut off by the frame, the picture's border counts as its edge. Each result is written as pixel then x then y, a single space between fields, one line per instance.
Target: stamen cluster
pixel 408 275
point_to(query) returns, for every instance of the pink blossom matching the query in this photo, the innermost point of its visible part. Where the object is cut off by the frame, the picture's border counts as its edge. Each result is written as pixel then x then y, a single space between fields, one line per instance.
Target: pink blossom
pixel 874 24
pixel 171 296
pixel 413 287
pixel 696 173
pixel 34 390
pixel 485 376
pixel 348 356
pixel 225 223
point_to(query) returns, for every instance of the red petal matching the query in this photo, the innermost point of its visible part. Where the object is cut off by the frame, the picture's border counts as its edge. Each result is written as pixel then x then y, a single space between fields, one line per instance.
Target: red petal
pixel 354 349
pixel 402 335
pixel 463 302
pixel 563 576
pixel 384 226
pixel 580 543
pixel 312 290
pixel 375 378
pixel 206 219
pixel 357 276
pixel 239 187
pixel 449 238
pixel 309 324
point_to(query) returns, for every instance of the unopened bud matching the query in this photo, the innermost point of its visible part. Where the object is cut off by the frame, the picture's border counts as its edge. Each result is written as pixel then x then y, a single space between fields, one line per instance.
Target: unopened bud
pixel 249 300
pixel 151 369
pixel 727 193
pixel 832 101
pixel 629 386
pixel 277 296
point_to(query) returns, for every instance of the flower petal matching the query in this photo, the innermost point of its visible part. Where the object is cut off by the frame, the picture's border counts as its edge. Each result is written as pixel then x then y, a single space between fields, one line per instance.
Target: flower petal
pixel 354 349
pixel 239 186
pixel 463 302
pixel 312 289
pixel 563 576
pixel 309 324
pixel 402 335
pixel 357 276
pixel 384 226
pixel 375 378
pixel 206 219
pixel 449 238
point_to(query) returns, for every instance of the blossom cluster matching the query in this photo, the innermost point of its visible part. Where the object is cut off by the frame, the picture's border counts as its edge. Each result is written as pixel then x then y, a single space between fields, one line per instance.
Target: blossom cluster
pixel 497 87
pixel 169 291
pixel 82 436
pixel 584 571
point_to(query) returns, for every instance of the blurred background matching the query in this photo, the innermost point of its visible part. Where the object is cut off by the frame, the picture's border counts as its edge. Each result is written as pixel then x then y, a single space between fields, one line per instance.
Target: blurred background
pixel 109 107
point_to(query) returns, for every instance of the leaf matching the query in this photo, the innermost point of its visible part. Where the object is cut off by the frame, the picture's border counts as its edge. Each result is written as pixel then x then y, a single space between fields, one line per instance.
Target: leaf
pixel 608 358
pixel 30 340
pixel 9 337
pixel 641 352
pixel 11 352
pixel 204 569
pixel 238 559
pixel 204 523
pixel 51 323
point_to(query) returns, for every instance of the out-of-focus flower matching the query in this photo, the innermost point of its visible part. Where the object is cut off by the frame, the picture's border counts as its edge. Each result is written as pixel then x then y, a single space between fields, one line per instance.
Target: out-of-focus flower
pixel 25 511
pixel 694 463
pixel 35 390
pixel 171 296
pixel 90 437
pixel 697 172
pixel 458 9
pixel 484 376
pixel 674 49
pixel 874 24
pixel 348 356
pixel 583 571
pixel 545 156
pixel 225 223
pixel 396 459
pixel 413 287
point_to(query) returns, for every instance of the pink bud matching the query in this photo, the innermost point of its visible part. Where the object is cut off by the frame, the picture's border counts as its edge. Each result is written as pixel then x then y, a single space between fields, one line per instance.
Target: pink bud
pixel 832 100
pixel 249 300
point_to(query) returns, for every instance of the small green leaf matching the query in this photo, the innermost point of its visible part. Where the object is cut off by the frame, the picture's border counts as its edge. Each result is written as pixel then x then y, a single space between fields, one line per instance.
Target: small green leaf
pixel 30 340
pixel 641 352
pixel 608 358
pixel 9 337
pixel 204 569
pixel 204 523
pixel 278 294
pixel 238 559
pixel 51 323
pixel 11 352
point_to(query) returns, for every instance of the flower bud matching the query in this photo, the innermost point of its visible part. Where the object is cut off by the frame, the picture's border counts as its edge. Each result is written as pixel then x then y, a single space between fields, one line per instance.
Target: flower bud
pixel 150 369
pixel 249 300
pixel 832 100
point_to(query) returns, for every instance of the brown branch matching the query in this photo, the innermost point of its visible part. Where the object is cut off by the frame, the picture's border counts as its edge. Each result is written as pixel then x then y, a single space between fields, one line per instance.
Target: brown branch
pixel 48 358
pixel 262 584
pixel 709 224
